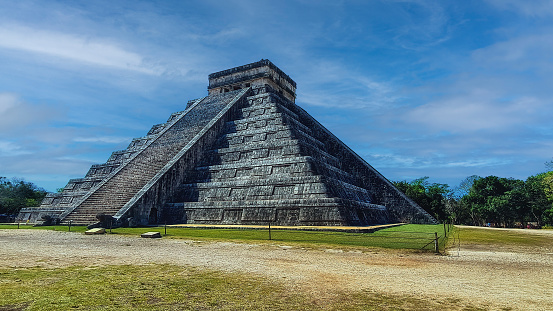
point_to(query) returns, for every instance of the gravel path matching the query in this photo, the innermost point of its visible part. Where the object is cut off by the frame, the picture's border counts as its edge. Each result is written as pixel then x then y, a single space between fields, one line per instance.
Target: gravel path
pixel 494 280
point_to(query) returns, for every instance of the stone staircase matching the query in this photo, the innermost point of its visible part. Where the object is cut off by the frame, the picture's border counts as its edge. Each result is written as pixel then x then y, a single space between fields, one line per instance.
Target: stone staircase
pixel 124 183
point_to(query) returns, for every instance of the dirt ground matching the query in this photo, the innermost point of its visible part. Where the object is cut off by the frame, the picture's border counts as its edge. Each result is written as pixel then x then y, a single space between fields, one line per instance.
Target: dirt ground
pixel 486 278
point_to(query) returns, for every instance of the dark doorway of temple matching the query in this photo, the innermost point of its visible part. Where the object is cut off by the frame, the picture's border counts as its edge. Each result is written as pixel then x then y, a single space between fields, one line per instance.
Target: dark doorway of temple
pixel 152 219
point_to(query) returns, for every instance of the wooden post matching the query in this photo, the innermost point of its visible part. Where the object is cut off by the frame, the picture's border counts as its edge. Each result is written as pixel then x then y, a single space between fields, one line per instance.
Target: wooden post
pixel 269 230
pixel 445 232
pixel 70 225
pixel 165 228
pixel 18 225
pixel 436 248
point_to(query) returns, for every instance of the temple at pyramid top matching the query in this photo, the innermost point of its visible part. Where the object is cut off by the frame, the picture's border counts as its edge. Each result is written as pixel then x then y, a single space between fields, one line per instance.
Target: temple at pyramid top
pixel 244 154
pixel 253 75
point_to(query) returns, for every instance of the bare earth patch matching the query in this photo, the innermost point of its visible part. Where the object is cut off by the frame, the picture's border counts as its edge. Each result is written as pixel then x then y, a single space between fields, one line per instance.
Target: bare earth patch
pixel 490 279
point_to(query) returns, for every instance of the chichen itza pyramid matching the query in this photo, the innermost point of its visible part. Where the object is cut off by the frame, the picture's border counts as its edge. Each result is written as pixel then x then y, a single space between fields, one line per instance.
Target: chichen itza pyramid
pixel 244 154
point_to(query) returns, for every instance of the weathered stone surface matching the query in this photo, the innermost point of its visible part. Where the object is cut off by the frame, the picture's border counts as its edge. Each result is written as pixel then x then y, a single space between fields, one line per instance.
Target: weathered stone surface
pixel 151 235
pixel 253 75
pixel 95 231
pixel 245 154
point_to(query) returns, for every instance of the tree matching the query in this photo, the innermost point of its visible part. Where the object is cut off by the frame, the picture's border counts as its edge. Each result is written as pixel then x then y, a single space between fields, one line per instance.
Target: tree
pixel 16 194
pixel 464 187
pixel 431 197
pixel 539 191
pixel 549 165
pixel 496 200
pixel 547 183
pixel 512 205
pixel 459 212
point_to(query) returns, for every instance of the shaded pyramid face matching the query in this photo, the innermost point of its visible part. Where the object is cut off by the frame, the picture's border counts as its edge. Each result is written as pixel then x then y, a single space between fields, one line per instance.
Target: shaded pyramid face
pixel 245 154
pixel 268 166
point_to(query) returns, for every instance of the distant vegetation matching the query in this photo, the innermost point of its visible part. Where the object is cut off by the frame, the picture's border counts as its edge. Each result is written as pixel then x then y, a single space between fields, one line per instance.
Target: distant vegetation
pixel 16 194
pixel 491 200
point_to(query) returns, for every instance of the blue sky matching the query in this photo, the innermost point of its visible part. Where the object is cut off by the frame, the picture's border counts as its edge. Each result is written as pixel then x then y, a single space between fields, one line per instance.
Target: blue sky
pixel 445 89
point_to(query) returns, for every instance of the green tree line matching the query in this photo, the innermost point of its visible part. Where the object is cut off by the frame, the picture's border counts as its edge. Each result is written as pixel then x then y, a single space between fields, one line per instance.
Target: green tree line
pixel 505 202
pixel 16 194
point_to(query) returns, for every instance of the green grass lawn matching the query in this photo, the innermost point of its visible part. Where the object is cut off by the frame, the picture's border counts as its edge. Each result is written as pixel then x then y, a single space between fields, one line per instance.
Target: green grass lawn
pixel 58 228
pixel 413 237
pixel 166 287
pixel 483 236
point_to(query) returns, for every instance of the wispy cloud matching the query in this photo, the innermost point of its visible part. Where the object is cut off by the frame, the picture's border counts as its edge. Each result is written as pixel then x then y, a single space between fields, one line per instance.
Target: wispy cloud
pixel 331 84
pixel 541 8
pixel 11 149
pixel 476 111
pixel 524 52
pixel 503 87
pixel 7 102
pixel 402 161
pixel 16 114
pixel 423 24
pixel 75 47
pixel 102 139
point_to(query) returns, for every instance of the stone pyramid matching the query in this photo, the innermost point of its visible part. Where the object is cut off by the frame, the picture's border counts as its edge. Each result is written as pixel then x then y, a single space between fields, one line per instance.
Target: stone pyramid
pixel 244 154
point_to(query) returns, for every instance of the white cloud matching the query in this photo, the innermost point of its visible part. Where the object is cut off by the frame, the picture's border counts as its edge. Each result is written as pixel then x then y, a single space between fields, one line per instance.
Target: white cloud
pixel 8 148
pixel 102 139
pixel 423 24
pixel 530 51
pixel 346 88
pixel 477 162
pixel 403 161
pixel 16 114
pixel 7 101
pixel 95 51
pixel 502 87
pixel 540 8
pixel 475 111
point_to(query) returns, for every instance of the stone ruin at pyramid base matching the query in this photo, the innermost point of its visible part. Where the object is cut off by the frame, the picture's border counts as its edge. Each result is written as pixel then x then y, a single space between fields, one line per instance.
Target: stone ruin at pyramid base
pixel 244 154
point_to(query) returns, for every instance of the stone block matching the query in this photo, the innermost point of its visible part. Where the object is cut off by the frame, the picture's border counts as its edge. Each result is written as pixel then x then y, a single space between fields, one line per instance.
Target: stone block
pixel 151 235
pixel 95 231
